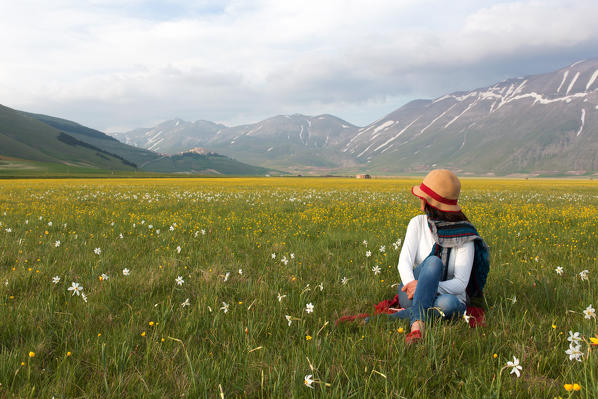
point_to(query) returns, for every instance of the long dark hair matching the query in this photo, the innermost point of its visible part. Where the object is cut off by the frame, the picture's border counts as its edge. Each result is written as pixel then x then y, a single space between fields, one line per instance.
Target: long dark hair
pixel 436 214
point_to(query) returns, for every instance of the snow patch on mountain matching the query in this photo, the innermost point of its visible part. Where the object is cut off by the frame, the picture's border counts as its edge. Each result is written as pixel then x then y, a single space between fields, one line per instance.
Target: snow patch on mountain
pixel 565 74
pixel 254 130
pixel 572 83
pixel 154 146
pixel 470 106
pixel 396 136
pixel 435 119
pixel 538 98
pixel 592 79
pixel 364 151
pixel 583 119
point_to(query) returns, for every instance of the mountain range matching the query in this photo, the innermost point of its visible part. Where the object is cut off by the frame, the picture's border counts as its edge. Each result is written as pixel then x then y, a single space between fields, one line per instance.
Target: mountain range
pixel 41 143
pixel 544 124
pixel 540 124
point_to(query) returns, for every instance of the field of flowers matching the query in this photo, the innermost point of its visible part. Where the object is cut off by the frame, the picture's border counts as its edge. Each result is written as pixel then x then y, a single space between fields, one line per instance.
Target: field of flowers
pixel 226 288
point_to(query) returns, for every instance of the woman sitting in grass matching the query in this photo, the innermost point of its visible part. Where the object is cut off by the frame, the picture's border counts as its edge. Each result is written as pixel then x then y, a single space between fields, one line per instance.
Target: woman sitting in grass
pixel 437 255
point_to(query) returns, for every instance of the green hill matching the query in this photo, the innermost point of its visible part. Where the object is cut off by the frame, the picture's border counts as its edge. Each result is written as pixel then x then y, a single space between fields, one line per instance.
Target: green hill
pixel 27 138
pixel 138 156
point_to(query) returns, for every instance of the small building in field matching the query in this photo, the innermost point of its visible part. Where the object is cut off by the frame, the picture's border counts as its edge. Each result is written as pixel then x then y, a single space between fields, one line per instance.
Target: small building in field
pixel 362 176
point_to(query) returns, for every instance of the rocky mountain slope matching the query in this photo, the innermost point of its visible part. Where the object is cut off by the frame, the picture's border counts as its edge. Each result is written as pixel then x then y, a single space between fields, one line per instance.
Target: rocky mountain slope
pixel 294 142
pixel 543 123
pixel 172 136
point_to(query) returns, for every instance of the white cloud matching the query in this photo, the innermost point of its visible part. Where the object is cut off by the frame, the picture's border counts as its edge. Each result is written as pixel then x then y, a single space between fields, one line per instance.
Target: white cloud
pixel 239 61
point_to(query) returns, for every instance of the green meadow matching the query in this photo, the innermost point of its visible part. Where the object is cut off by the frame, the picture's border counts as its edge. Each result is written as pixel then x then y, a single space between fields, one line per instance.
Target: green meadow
pixel 224 288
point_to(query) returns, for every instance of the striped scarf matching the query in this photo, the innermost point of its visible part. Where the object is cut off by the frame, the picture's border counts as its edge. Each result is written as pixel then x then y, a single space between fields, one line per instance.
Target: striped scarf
pixel 448 235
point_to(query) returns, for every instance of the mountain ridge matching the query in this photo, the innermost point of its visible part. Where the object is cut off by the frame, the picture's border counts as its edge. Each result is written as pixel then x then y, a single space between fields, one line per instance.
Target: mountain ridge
pixel 544 123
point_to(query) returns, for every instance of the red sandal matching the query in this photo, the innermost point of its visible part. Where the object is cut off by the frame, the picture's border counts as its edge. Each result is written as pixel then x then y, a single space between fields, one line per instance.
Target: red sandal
pixel 413 337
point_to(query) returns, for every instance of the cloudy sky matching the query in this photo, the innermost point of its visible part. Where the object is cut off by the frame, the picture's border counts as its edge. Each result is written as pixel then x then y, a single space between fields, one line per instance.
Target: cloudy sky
pixel 120 64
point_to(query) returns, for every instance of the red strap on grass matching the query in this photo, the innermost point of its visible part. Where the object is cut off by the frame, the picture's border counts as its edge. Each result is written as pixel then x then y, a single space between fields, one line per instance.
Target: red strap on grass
pixel 389 306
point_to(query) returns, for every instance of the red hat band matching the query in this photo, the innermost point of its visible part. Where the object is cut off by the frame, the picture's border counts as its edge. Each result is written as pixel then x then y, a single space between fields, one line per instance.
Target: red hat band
pixel 437 197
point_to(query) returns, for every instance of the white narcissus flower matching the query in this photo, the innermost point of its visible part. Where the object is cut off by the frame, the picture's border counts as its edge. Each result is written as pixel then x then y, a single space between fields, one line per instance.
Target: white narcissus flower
pixel 368 254
pixel 178 250
pixel 224 307
pixel 203 232
pixel 515 367
pixel 84 297
pixel 97 251
pixel 376 269
pixel 273 256
pixel 186 303
pixel 55 279
pixel 280 297
pixel 76 288
pixel 559 270
pixel 382 249
pixel 126 272
pixel 226 276
pixel 321 286
pixel 104 276
pixel 589 312
pixel 583 275
pixel 241 271
pixel 574 352
pixel 57 244
pixel 288 319
pixel 284 260
pixel 179 280
pixel 365 242
pixel 574 337
pixel 308 381
pixel 344 281
pixel 309 308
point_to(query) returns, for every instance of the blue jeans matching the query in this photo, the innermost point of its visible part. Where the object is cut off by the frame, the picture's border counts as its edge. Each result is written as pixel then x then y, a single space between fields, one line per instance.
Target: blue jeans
pixel 428 275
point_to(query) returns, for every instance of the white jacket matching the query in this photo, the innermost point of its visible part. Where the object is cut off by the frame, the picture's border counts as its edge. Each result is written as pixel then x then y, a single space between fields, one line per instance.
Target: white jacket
pixel 417 246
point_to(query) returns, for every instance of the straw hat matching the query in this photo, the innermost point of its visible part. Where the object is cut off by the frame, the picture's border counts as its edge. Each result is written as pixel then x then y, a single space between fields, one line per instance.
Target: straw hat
pixel 440 189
